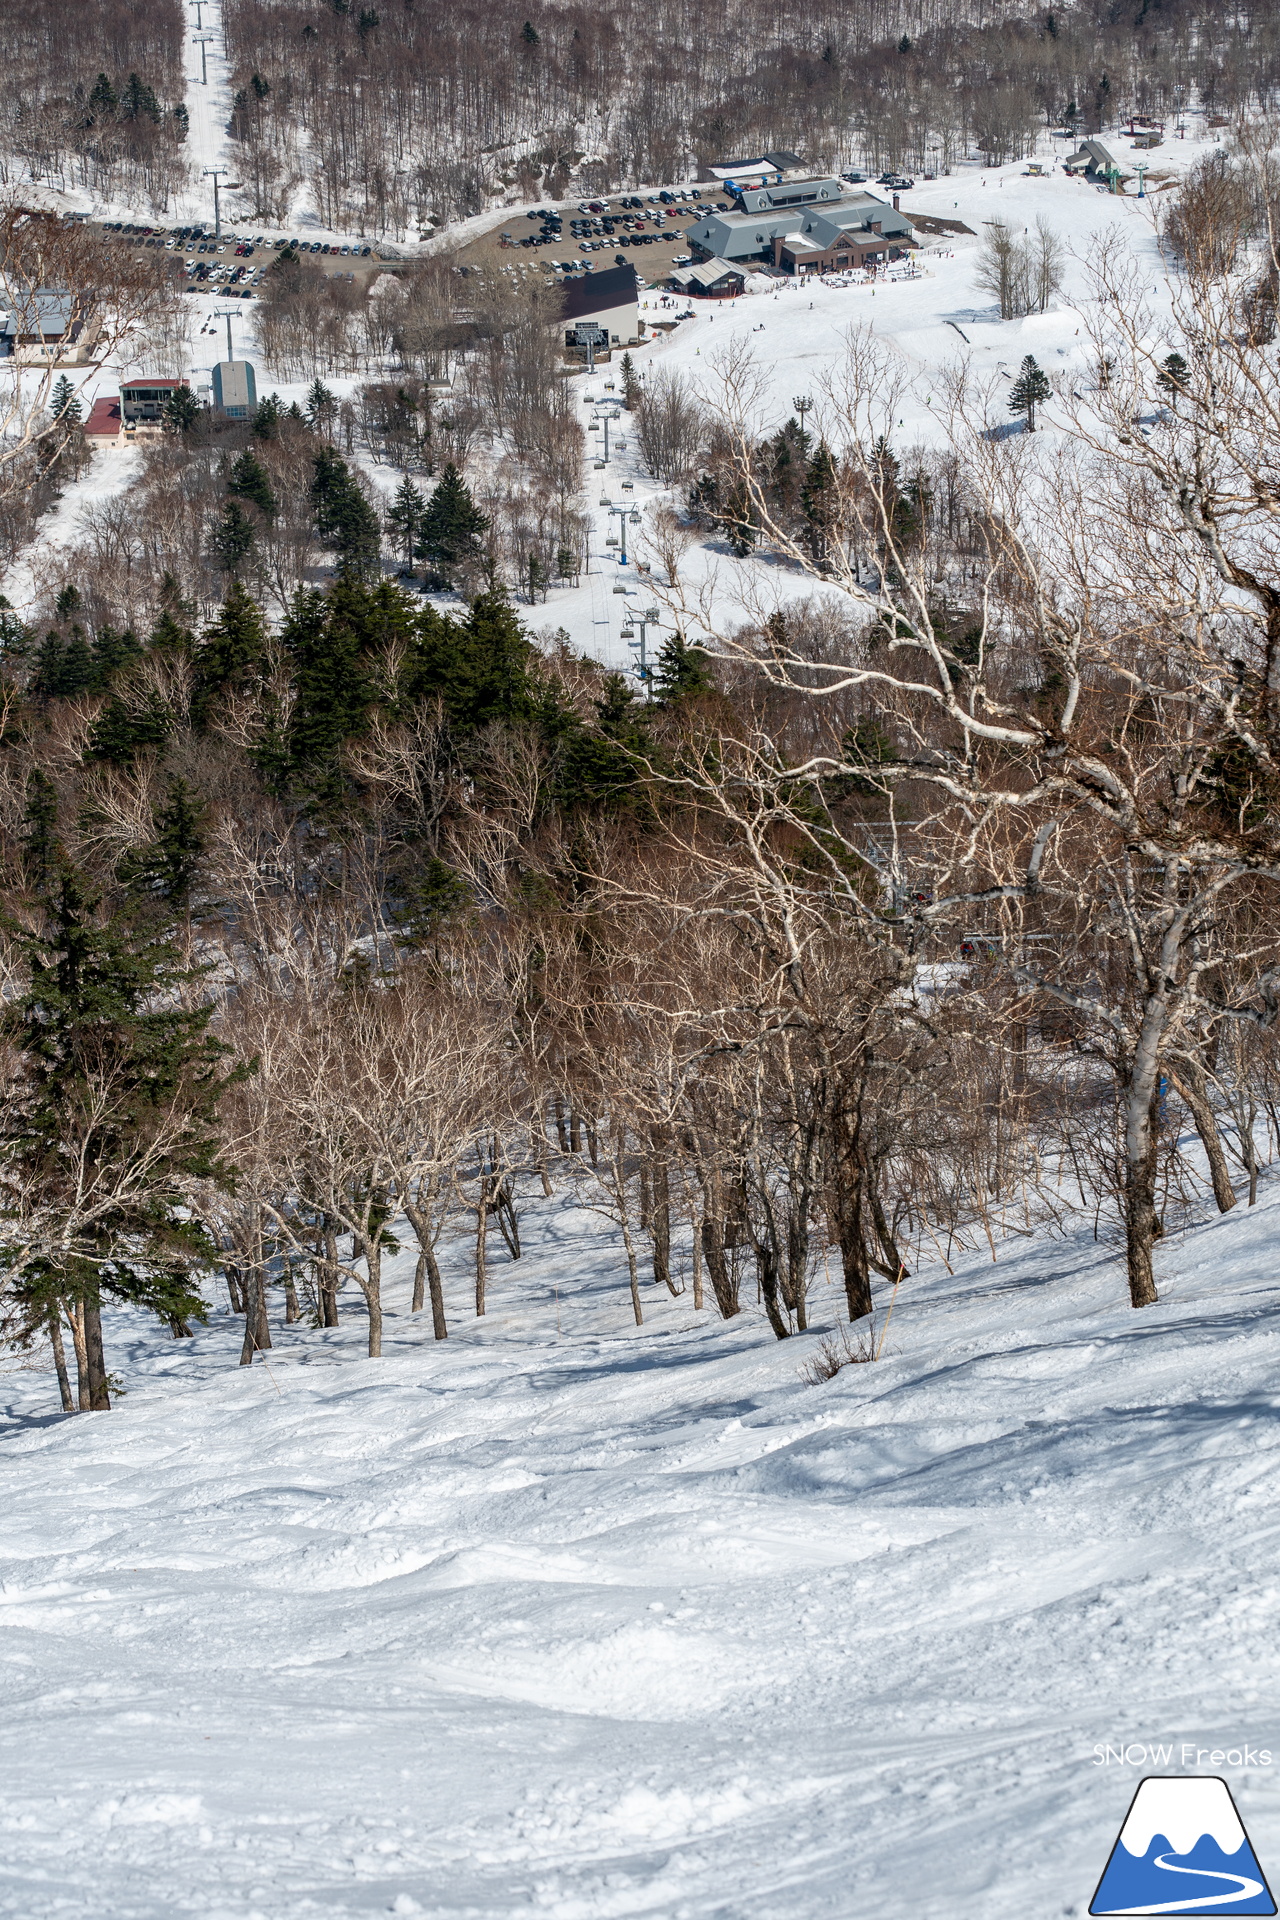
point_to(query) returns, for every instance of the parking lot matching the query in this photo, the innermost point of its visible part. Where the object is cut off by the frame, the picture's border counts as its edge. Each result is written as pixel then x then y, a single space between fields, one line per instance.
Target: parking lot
pixel 236 261
pixel 571 238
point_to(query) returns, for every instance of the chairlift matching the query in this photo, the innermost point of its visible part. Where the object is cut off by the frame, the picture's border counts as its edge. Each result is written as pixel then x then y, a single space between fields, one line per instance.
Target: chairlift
pixel 627 487
pixel 619 589
pixel 628 634
pixel 611 540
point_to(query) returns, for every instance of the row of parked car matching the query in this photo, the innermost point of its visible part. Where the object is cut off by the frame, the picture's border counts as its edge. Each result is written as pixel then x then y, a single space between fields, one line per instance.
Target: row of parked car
pixel 180 239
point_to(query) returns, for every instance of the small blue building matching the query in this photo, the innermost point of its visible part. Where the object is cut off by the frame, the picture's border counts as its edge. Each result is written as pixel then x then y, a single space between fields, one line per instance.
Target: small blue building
pixel 235 389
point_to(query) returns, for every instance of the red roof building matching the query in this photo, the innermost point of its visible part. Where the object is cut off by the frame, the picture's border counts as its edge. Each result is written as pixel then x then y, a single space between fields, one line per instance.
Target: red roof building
pixel 104 421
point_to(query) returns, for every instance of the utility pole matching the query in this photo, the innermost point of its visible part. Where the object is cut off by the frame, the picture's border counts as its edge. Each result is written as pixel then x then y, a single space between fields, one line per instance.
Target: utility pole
pixel 202 40
pixel 217 173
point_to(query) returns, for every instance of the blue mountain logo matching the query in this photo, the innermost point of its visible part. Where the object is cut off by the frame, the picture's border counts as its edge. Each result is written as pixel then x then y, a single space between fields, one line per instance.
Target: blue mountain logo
pixel 1183 1850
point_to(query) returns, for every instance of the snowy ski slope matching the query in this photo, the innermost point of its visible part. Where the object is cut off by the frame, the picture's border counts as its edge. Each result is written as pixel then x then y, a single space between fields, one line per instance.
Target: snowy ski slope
pixel 613 1622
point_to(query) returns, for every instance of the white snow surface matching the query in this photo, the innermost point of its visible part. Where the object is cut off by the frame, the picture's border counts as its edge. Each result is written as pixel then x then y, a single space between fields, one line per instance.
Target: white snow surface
pixel 610 1621
pixel 1183 1811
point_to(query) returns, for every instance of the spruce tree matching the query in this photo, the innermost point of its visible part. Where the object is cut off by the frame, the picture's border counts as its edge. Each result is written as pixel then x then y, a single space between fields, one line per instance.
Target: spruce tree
pixel 15 638
pixel 451 528
pixel 64 403
pixel 232 652
pixel 266 421
pixel 138 101
pixel 1030 390
pixel 164 869
pixel 1172 377
pixel 249 481
pixel 180 411
pixel 115 1121
pixel 680 672
pixel 404 520
pixel 480 667
pixel 126 728
pixel 103 100
pixel 321 406
pixel 819 500
pixel 325 642
pixel 344 520
pixel 64 666
pixel 231 539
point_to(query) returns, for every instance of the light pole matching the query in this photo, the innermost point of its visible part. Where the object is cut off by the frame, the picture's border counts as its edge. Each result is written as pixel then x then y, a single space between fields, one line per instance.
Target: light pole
pixel 802 403
pixel 216 173
pixel 645 620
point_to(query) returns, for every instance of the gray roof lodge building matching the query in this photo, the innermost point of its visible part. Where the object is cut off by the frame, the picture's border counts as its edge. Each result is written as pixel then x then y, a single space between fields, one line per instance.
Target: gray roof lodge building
pixel 803 226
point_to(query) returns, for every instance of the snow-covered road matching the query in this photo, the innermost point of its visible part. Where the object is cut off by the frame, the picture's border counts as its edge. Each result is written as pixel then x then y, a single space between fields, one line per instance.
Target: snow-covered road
pixel 617 1622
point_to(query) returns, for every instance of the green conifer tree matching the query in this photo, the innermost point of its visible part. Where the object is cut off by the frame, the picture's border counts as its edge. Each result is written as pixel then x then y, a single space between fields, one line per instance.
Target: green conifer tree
pixel 819 501
pixel 103 100
pixel 321 407
pixel 15 638
pixel 404 520
pixel 232 539
pixel 1172 377
pixel 113 650
pixel 232 652
pixel 452 527
pixel 249 481
pixel 64 666
pixel 164 870
pixel 116 1121
pixel 1030 390
pixel 126 728
pixel 680 672
pixel 325 640
pixel 64 403
pixel 181 410
pixel 138 101
pixel 344 520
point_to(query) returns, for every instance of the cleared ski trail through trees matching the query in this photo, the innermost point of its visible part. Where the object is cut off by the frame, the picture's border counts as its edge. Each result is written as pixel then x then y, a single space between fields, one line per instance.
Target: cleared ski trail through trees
pixel 634 1622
